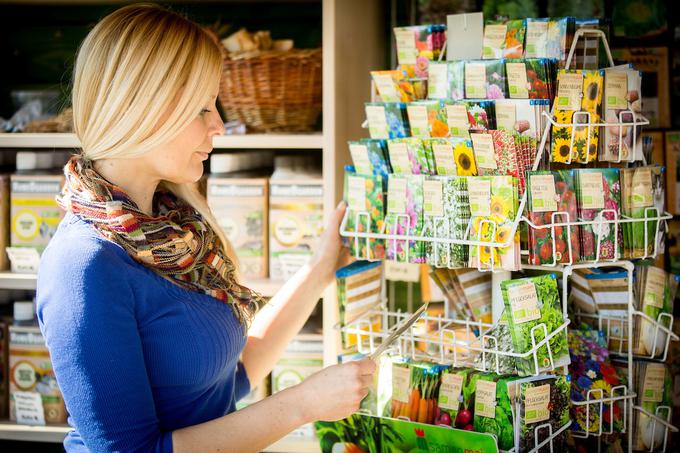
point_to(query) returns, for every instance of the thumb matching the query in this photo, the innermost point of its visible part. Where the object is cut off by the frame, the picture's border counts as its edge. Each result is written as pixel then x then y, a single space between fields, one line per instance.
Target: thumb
pixel 336 218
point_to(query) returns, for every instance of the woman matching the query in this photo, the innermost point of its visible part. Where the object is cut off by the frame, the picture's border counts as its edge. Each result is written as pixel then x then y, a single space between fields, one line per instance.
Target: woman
pixel 137 293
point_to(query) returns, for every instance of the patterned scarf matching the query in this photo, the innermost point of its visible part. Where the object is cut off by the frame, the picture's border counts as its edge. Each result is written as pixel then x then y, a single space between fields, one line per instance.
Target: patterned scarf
pixel 177 244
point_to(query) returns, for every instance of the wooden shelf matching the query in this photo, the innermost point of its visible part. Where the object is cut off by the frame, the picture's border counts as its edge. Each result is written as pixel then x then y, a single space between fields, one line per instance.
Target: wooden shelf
pixel 10 280
pixel 55 434
pixel 253 141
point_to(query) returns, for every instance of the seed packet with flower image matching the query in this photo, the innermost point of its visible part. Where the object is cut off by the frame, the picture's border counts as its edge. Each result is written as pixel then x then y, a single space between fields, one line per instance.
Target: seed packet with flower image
pixel 530 302
pixel 456 80
pixel 369 157
pixel 464 157
pixel 493 208
pixel 485 79
pixel 529 78
pixel 442 151
pixel 597 190
pixel 550 192
pixel 504 39
pixel 409 156
pixel 549 38
pixel 447 214
pixel 536 38
pixel 622 88
pixel 404 216
pixel 514 38
pixel 418 45
pixel 427 119
pixel 390 88
pixel 365 204
pixel 578 91
pixel 387 120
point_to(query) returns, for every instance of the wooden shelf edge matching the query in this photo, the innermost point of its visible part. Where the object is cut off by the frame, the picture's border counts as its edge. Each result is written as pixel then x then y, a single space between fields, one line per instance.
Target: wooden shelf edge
pixel 251 141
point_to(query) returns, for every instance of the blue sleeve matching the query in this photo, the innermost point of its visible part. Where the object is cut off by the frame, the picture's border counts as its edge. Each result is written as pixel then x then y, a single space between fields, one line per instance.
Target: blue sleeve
pixel 86 311
pixel 241 383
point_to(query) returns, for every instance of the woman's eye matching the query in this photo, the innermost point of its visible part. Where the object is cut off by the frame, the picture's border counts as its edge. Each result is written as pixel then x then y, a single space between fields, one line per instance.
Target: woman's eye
pixel 204 111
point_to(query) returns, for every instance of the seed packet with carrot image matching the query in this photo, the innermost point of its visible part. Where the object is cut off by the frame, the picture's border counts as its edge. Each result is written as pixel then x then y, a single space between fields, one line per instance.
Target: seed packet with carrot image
pixel 550 192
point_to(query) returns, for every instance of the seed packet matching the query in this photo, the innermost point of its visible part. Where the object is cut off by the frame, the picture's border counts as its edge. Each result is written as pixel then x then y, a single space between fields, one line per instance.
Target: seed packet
pixel 514 38
pixel 529 78
pixel 530 302
pixel 464 157
pixel 536 38
pixel 656 292
pixel 457 80
pixel 450 400
pixel 494 40
pixel 506 155
pixel 423 385
pixel 485 79
pixel 427 119
pixel 579 98
pixel 550 192
pixel 369 157
pixel 597 190
pixel 542 400
pixel 359 289
pixel 387 120
pixel 655 384
pixel 444 159
pixel 409 156
pixel 493 208
pixel 504 39
pixel 405 217
pixel 418 45
pixel 438 80
pixel 622 98
pixel 502 342
pixel 591 371
pixel 521 116
pixel 493 408
pixel 365 203
pixel 447 214
pixel 642 195
pixel 549 38
pixel 481 115
pixel 465 116
pixel 390 88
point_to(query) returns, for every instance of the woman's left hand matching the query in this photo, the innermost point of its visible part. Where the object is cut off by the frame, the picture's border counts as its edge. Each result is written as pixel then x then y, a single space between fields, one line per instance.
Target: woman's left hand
pixel 331 254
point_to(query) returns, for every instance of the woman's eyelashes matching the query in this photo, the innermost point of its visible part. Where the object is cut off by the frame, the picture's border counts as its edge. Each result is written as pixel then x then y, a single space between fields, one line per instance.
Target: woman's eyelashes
pixel 204 111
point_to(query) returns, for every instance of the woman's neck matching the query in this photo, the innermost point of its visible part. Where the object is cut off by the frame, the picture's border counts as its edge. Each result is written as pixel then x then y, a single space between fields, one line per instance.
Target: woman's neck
pixel 126 174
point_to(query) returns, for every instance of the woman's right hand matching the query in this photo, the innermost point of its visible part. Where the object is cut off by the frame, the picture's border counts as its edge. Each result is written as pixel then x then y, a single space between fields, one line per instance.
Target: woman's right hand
pixel 335 392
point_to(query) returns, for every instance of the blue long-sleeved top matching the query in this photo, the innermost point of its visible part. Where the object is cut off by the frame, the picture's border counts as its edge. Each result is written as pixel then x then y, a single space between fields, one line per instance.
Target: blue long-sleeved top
pixel 135 355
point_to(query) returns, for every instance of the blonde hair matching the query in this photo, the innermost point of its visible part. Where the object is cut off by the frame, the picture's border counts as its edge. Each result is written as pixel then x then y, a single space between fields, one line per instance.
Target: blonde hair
pixel 131 68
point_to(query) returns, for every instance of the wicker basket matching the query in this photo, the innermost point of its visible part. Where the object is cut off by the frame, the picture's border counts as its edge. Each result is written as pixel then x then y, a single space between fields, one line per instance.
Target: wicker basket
pixel 273 92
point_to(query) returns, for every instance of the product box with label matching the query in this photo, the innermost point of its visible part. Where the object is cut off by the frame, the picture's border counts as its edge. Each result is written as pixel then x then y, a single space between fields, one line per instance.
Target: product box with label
pixel 31 374
pixel 295 224
pixel 34 212
pixel 240 207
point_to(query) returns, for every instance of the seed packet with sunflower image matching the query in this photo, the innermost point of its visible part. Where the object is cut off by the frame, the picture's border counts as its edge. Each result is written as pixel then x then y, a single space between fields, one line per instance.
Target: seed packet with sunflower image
pixel 579 97
pixel 599 190
pixel 530 302
pixel 409 156
pixel 365 204
pixel 404 217
pixel 387 120
pixel 550 192
pixel 464 157
pixel 622 88
pixel 427 119
pixel 493 208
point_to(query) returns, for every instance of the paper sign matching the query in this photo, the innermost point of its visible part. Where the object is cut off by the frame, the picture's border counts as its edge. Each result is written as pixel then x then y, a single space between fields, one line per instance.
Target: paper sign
pixel 485 399
pixel 362 163
pixel 517 80
pixel 402 272
pixel 569 91
pixel 417 118
pixel 29 408
pixel 467 32
pixel 433 194
pixel 396 195
pixel 475 80
pixel 479 193
pixel 449 391
pixel 523 302
pixel 543 196
pixel 592 190
pixel 537 401
pixel 400 383
pixel 482 145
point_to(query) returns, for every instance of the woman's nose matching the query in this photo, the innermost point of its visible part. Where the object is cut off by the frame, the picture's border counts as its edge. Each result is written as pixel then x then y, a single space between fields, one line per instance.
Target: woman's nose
pixel 216 125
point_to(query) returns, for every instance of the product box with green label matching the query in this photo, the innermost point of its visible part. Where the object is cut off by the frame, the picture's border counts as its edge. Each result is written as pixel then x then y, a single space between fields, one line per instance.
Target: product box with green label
pixel 295 224
pixel 34 212
pixel 387 120
pixel 31 373
pixel 240 206
pixel 532 302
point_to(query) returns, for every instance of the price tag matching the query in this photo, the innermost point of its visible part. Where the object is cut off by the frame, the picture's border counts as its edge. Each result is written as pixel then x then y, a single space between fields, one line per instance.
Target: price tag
pixel 457 120
pixel 537 401
pixel 543 196
pixel 377 123
pixel 569 91
pixel 536 39
pixel 396 195
pixel 417 118
pixel 29 408
pixel 475 80
pixel 482 145
pixel 402 272
pixel 485 399
pixel 406 45
pixel 443 158
pixel 615 89
pixel 362 163
pixel 524 302
pixel 400 383
pixel 479 193
pixel 433 195
pixel 356 193
pixel 592 190
pixel 437 80
pixel 385 84
pixel 517 80
pixel 401 164
pixel 494 40
pixel 655 287
pixel 642 188
pixel 449 391
pixel 652 388
pixel 505 116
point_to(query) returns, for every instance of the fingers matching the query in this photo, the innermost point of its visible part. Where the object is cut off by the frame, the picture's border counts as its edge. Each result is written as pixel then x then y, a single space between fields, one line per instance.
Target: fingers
pixel 366 366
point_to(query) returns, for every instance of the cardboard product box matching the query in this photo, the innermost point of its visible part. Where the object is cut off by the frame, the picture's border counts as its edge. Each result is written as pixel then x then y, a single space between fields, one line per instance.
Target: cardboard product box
pixel 359 289
pixel 31 372
pixel 295 224
pixel 240 206
pixel 35 214
pixel 673 172
pixel 653 62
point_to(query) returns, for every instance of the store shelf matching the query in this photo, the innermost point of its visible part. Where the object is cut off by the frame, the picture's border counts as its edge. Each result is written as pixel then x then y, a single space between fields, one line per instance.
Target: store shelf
pixel 55 434
pixel 254 141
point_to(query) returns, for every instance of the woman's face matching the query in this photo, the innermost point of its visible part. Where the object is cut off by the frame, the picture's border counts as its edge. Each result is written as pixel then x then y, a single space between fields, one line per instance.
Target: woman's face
pixel 181 159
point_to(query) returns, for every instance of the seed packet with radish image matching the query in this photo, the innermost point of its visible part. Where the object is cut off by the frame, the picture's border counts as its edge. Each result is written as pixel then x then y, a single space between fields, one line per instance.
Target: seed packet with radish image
pixel 404 217
pixel 548 193
pixel 598 190
pixel 451 410
pixel 365 205
pixel 409 156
